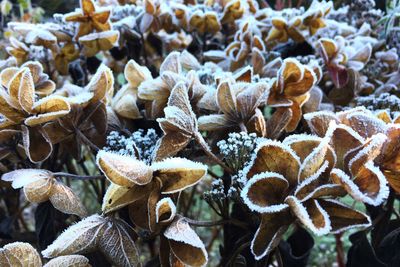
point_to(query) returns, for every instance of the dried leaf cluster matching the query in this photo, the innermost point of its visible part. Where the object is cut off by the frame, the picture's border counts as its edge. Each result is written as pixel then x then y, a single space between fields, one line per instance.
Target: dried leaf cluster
pixel 127 125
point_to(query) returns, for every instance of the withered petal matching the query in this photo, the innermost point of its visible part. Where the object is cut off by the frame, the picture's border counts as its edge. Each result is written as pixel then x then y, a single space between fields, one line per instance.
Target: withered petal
pixel 213 122
pixel 319 121
pixel 170 144
pixel 269 233
pixel 117 197
pixel 264 192
pixel 272 156
pixel 185 243
pixel 36 143
pixel 123 170
pixel 226 98
pixel 370 186
pixel 39 191
pixel 344 217
pixel 177 174
pixel 311 214
pixel 165 210
pixel 65 200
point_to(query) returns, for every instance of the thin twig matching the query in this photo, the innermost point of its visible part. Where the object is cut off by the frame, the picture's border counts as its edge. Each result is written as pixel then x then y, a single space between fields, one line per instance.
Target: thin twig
pixel 339 250
pixel 87 141
pixel 215 223
pixel 78 177
pixel 278 257
pixel 237 252
pixel 200 140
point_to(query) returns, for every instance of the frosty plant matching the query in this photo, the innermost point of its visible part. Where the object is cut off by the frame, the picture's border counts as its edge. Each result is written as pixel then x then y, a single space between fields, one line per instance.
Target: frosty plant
pixel 289 181
pixel 199 133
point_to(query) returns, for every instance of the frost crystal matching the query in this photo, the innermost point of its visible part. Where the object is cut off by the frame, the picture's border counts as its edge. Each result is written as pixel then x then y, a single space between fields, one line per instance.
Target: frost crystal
pixel 384 101
pixel 237 149
pixel 138 144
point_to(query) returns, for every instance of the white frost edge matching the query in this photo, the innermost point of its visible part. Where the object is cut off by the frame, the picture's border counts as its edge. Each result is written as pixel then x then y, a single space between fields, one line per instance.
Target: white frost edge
pixel 254 207
pixel 350 226
pixel 176 163
pixel 101 153
pixel 355 191
pixel 170 204
pixel 269 142
pixel 376 141
pixel 311 178
pixel 304 217
pixel 267 249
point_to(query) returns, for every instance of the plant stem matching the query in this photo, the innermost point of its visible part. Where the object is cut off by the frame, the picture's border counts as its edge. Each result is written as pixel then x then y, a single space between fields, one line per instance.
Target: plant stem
pixel 339 250
pixel 87 141
pixel 200 140
pixel 78 177
pixel 278 257
pixel 215 223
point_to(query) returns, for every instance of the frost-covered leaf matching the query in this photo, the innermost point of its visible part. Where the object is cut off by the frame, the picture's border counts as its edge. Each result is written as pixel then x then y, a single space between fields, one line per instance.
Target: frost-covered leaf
pixel 135 74
pixel 165 210
pixel 48 109
pixel 82 237
pixel 358 157
pixel 319 121
pixel 36 143
pixel 19 254
pixel 185 244
pixel 365 124
pixel 117 244
pixel 226 98
pixel 170 144
pixel 39 191
pixel 177 174
pixel 344 217
pixel 69 261
pixel 98 41
pixel 278 122
pixel 113 237
pixel 26 92
pixel 123 170
pixel 101 84
pixel 179 125
pixel 269 233
pixel 343 139
pixel 22 177
pixel 263 192
pixel 117 197
pixel 171 63
pixel 272 156
pixel 213 122
pixel 370 187
pixel 64 199
pixel 311 214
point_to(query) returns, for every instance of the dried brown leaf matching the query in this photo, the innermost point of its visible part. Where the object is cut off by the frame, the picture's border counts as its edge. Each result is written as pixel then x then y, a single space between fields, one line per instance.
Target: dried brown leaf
pixel 64 199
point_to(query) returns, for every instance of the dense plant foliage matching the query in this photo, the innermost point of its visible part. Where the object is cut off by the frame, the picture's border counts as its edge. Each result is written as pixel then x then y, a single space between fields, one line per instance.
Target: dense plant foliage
pixel 194 133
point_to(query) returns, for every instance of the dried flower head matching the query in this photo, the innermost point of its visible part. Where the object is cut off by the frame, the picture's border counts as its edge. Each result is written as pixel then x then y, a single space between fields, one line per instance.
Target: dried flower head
pixel 239 103
pixel 359 139
pixel 290 181
pixel 90 17
pixel 22 107
pixel 139 185
pixel 291 89
pixel 125 100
